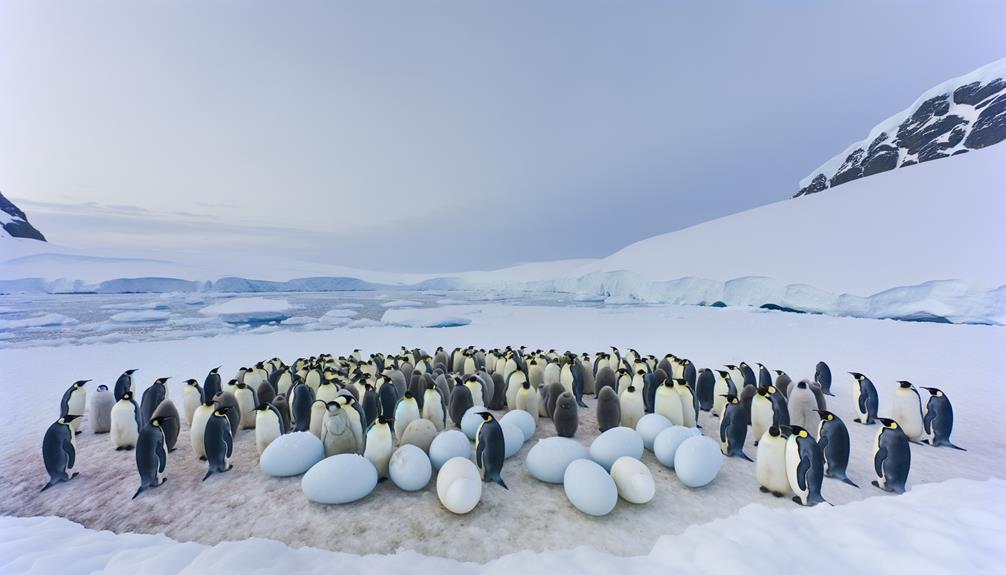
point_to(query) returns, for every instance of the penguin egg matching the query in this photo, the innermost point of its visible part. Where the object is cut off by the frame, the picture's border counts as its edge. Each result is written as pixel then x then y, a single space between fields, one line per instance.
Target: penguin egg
pixel 410 468
pixel 513 438
pixel 459 485
pixel 420 432
pixel 589 487
pixel 667 442
pixel 291 454
pixel 471 421
pixel 447 445
pixel 522 419
pixel 649 426
pixel 633 480
pixel 698 461
pixel 342 478
pixel 615 443
pixel 548 459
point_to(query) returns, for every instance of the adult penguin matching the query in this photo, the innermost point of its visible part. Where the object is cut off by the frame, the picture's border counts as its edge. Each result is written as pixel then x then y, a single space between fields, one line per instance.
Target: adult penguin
pixel 73 403
pixel 170 422
pixel 668 403
pixel 282 380
pixel 406 412
pixel 101 410
pixel 770 462
pixel 300 407
pixel 939 419
pixel 804 467
pixel 197 428
pixel 417 386
pixel 906 409
pixel 354 412
pixel 782 382
pixel 380 445
pixel 387 399
pixel 474 385
pixel 822 376
pixel 268 425
pixel 576 369
pixel 152 397
pixel 490 449
pixel 650 385
pixel 609 411
pixel 125 422
pixel 733 429
pixel 892 457
pixel 498 400
pixel 192 396
pixel 749 380
pixel 283 407
pixel 723 388
pixel 59 451
pixel 227 400
pixel 488 387
pixel 802 406
pixel 764 376
pixel 833 438
pixel 631 406
pixel 124 384
pixel 864 396
pixel 704 388
pixel 762 413
pixel 370 403
pixel 433 406
pixel 566 416
pixel 212 385
pixel 218 442
pixel 528 399
pixel 460 402
pixel 247 401
pixel 151 456
pixel 689 407
pixel 265 392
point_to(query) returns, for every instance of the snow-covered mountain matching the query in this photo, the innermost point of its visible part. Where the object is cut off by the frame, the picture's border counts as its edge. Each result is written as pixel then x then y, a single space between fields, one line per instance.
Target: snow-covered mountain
pixel 955 117
pixel 14 222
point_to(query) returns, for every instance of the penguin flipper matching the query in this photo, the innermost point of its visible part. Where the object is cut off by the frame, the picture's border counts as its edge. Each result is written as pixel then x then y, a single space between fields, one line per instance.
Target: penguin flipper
pixel 71 452
pixel 878 461
pixel 948 444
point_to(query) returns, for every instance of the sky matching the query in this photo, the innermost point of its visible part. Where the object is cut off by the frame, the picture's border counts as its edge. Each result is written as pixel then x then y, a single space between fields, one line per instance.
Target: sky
pixel 445 135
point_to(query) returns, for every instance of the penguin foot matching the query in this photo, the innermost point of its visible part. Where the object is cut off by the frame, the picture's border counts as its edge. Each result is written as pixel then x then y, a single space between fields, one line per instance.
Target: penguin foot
pixel 745 456
pixel 763 489
pixel 582 404
pixel 797 500
pixel 202 458
pixel 756 444
pixel 119 448
pixel 849 481
pixel 777 494
pixel 138 492
pixel 72 475
pixel 208 473
pixel 76 432
pixel 46 486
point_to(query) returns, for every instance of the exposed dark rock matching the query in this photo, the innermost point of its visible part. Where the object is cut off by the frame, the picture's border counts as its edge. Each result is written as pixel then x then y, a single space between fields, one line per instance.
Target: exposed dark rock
pixel 990 127
pixel 19 227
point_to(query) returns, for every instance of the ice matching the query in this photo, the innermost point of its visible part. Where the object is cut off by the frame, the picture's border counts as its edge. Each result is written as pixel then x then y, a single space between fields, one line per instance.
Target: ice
pixel 425 317
pixel 135 306
pixel 250 309
pixel 402 303
pixel 44 320
pixel 141 316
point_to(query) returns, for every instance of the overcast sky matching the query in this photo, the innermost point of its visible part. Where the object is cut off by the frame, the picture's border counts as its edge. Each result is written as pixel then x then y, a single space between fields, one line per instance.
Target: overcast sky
pixel 444 136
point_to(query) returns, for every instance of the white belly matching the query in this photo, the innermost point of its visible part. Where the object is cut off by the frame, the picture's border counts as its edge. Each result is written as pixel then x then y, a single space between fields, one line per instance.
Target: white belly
pixel 266 429
pixel 566 378
pixel 792 462
pixel 761 416
pixel 190 402
pixel 720 388
pixel 861 415
pixel 378 451
pixel 551 374
pixel 316 425
pixel 527 400
pixel 124 432
pixel 873 458
pixel 667 403
pixel 770 464
pixel 76 403
pixel 433 410
pixel 403 417
pixel 687 408
pixel 246 404
pixel 469 366
pixel 476 390
pixel 197 429
pixel 632 409
pixel 908 413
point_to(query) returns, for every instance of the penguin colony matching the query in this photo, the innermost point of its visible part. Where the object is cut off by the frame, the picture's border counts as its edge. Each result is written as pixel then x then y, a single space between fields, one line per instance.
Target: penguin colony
pixel 367 406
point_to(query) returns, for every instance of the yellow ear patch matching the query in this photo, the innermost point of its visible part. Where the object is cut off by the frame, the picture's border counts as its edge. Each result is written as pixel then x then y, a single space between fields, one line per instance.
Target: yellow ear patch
pixel 803 434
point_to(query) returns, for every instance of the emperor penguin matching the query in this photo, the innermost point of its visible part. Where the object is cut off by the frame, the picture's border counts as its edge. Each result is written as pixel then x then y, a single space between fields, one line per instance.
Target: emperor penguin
pixel 762 413
pixel 197 428
pixel 101 410
pixel 733 429
pixel 211 385
pixel 460 402
pixel 170 422
pixel 651 382
pixel 587 369
pixel 370 403
pixel 152 397
pixel 490 449
pixel 125 422
pixel 268 425
pixel 764 376
pixel 59 451
pixel 566 374
pixel 337 435
pixel 553 391
pixel 770 462
pixel 326 392
pixel 264 392
pixel 218 443
pixel 724 387
pixel 608 409
pixel 300 406
pixel 822 375
pixel 433 407
pixel 939 419
pixel 227 400
pixel 498 400
pixel 907 411
pixel 864 396
pixel 566 416
pixel 689 417
pixel 192 396
pixel 514 384
pixel 528 399
pixel 380 445
pixel 406 412
pixel 782 382
pixel 247 401
pixel 387 399
pixel 833 438
pixel 631 406
pixel 802 406
pixel 74 402
pixel 151 456
pixel 283 381
pixel 705 389
pixel 552 373
pixel 666 402
pixel 124 383
pixel 576 369
pixel 892 456
pixel 319 413
pixel 804 467
pixel 625 379
pixel 474 385
pixel 605 377
pixel 356 417
pixel 283 407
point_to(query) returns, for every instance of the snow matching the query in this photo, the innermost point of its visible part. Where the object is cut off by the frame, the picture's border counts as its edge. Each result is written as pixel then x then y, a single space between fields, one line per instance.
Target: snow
pixel 425 317
pixel 533 516
pixel 402 303
pixel 44 320
pixel 141 316
pixel 250 309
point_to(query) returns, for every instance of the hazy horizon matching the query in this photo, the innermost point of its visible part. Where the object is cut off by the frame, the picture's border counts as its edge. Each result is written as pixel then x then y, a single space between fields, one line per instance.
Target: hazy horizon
pixel 391 136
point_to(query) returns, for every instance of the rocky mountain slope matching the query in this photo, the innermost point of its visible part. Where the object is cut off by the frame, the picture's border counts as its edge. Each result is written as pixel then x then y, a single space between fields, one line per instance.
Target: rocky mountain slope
pixel 15 223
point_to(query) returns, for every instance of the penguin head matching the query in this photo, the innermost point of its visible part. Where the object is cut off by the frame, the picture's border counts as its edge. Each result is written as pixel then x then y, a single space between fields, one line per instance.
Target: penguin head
pixel 799 432
pixel 131 371
pixel 216 369
pixel 774 431
pixel 681 382
pixel 191 382
pixel 668 383
pixel 888 423
pixel 408 394
pixel 160 420
pixel 906 385
pixel 486 416
pixel 723 374
pixel 640 372
pixel 932 391
pixel 802 384
pixel 742 365
pixel 232 382
pixel 526 384
pixel 731 398
pixel 221 411
pixel 66 419
pixel 825 414
pixel 127 396
pixel 102 387
pixel 763 390
pixel 262 406
pixel 778 371
pixel 333 406
pixel 856 376
pixel 241 385
pixel 630 389
pixel 161 380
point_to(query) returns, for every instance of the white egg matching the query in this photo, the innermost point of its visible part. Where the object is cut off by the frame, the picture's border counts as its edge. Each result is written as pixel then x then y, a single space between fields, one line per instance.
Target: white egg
pixel 291 454
pixel 448 444
pixel 471 421
pixel 342 478
pixel 615 443
pixel 589 487
pixel 547 460
pixel 513 438
pixel 420 433
pixel 633 480
pixel 459 485
pixel 649 426
pixel 522 419
pixel 698 461
pixel 668 440
pixel 410 468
